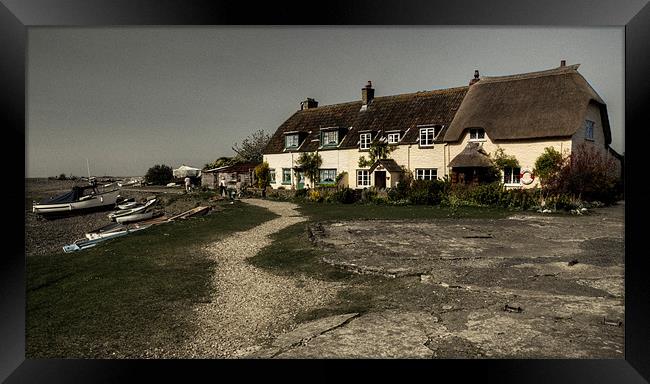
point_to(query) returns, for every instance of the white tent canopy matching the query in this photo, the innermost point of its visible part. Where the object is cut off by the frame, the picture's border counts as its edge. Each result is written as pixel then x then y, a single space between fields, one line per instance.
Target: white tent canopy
pixel 185 171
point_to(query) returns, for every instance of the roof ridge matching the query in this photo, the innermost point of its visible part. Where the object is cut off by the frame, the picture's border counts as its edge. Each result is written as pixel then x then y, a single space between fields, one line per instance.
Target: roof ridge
pixel 531 75
pixel 431 92
pixel 423 93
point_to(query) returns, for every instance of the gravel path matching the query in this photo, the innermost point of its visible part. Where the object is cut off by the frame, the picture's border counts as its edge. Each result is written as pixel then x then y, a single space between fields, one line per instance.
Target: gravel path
pixel 250 306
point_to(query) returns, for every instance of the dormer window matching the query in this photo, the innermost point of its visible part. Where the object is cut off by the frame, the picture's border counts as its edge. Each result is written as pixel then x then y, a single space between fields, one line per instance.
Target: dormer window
pixel 428 135
pixel 364 140
pixel 393 138
pixel 329 138
pixel 477 134
pixel 589 130
pixel 291 141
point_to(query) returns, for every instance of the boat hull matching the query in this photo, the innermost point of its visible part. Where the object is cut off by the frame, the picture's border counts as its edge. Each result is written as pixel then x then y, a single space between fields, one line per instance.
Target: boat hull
pixel 137 217
pixel 101 201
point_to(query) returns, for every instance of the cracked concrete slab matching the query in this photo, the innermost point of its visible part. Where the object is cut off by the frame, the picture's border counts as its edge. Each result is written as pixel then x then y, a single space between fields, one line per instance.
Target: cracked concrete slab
pixel 309 330
pixel 388 334
pixel 566 272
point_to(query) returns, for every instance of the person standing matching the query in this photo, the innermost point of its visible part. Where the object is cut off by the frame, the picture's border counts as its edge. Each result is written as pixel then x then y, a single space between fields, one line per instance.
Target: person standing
pixel 222 186
pixel 188 184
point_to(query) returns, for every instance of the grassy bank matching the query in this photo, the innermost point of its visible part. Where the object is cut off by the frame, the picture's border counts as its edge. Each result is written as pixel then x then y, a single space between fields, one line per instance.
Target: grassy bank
pixel 333 211
pixel 127 295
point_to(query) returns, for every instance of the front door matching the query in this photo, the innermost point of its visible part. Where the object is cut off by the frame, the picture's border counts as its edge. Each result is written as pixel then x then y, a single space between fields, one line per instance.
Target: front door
pixel 300 177
pixel 380 179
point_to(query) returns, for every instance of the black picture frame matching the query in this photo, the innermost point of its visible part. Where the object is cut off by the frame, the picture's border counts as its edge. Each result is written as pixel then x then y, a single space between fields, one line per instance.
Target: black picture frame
pixel 18 15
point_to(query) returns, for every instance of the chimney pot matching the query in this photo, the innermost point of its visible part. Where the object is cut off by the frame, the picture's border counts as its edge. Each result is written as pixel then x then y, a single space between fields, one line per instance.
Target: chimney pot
pixel 563 63
pixel 476 77
pixel 367 93
pixel 308 104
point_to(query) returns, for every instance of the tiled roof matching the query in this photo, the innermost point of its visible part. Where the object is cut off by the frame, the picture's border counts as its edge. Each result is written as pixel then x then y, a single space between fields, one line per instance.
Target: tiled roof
pixel 402 113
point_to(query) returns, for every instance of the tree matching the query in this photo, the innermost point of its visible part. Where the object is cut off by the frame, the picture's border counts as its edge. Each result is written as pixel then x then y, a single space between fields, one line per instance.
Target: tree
pixel 250 149
pixel 379 150
pixel 310 164
pixel 159 175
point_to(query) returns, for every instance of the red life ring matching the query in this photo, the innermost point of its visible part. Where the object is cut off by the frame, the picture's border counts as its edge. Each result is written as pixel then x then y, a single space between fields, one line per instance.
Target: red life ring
pixel 526 181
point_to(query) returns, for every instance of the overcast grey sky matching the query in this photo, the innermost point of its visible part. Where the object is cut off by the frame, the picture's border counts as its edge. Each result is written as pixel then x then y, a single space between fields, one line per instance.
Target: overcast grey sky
pixel 127 98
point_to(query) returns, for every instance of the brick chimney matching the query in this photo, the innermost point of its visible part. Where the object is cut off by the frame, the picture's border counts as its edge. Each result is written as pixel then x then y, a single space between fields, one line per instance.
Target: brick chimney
pixel 476 78
pixel 308 104
pixel 367 93
pixel 563 63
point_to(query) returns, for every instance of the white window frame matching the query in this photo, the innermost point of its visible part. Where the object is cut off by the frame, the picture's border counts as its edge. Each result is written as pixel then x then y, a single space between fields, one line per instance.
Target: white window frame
pixel 363 175
pixel 510 180
pixel 328 170
pixel 291 138
pixel 425 131
pixel 283 174
pixel 325 142
pixel 589 130
pixel 272 175
pixel 426 173
pixel 393 138
pixel 365 139
pixel 474 134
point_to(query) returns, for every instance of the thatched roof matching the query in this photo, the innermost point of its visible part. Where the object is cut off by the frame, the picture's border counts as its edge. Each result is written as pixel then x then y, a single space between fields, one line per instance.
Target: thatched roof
pixel 389 164
pixel 472 156
pixel 533 105
pixel 401 113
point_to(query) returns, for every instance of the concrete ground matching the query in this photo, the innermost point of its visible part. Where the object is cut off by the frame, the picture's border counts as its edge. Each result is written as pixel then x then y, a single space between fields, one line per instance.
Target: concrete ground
pixel 529 286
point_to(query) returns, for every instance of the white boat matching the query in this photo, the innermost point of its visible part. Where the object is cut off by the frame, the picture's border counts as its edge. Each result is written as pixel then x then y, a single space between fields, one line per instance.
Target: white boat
pixel 105 231
pixel 129 183
pixel 88 243
pixel 127 205
pixel 80 198
pixel 130 211
pixel 137 217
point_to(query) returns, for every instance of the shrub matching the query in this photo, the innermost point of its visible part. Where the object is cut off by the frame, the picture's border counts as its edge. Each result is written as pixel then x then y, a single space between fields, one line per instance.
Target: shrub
pixel 159 175
pixel 486 194
pixel 315 195
pixel 590 175
pixel 428 191
pixel 548 166
pixel 344 196
pixel 300 192
pixel 62 177
pixel 262 173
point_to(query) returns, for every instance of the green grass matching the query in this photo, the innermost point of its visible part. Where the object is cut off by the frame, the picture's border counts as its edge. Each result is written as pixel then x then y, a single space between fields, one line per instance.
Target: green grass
pixel 129 294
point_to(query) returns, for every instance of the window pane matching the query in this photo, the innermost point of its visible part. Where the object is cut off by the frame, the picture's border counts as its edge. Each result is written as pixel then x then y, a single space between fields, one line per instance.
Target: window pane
pixel 291 141
pixel 515 175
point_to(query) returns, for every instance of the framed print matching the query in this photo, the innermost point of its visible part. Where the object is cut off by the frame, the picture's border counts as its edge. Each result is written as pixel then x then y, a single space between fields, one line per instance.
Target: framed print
pixel 312 220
